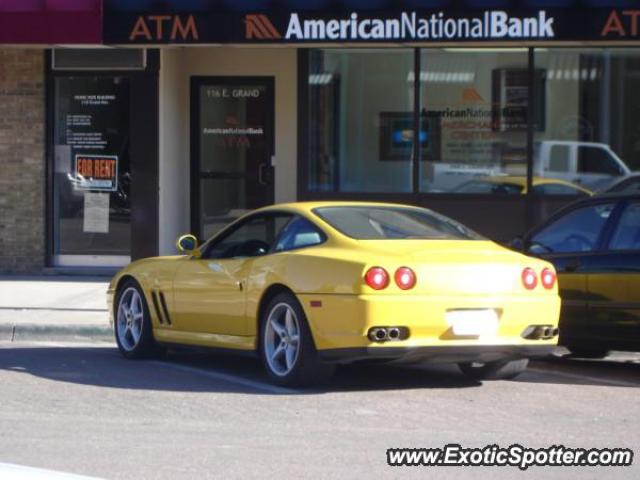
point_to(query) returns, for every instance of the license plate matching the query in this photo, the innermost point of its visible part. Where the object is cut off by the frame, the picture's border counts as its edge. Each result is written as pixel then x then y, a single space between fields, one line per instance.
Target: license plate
pixel 473 322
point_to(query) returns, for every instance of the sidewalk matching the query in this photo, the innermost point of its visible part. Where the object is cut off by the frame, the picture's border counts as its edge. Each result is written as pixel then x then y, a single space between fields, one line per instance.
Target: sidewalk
pixel 46 308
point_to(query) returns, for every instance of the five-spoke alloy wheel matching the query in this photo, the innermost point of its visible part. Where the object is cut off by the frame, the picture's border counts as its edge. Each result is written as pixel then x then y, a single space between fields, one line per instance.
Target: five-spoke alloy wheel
pixel 132 322
pixel 286 344
pixel 129 319
pixel 282 339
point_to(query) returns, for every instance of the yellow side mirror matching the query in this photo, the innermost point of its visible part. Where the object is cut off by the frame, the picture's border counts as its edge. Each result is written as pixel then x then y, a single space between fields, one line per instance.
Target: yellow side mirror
pixel 187 244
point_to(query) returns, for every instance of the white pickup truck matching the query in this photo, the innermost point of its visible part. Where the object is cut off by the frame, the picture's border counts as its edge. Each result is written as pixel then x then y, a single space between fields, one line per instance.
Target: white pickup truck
pixel 590 164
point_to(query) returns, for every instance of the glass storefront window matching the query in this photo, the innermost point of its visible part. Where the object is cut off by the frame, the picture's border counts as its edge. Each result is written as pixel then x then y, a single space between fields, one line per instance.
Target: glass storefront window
pixel 473 120
pixel 91 174
pixel 360 120
pixel 589 137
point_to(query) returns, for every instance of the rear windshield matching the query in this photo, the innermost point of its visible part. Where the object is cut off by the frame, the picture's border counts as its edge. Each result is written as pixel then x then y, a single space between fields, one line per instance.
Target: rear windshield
pixel 379 223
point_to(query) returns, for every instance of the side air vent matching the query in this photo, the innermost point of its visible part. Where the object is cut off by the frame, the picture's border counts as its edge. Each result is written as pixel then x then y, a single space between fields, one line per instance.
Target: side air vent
pixel 165 309
pixel 154 297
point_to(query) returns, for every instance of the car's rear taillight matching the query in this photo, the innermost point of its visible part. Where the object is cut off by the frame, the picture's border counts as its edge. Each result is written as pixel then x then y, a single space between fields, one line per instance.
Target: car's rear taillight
pixel 377 278
pixel 548 278
pixel 405 278
pixel 529 278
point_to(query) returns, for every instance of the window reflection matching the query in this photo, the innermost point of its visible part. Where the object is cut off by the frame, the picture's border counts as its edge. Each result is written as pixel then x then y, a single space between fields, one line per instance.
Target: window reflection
pixel 474 115
pixel 590 133
pixel 360 120
pixel 474 118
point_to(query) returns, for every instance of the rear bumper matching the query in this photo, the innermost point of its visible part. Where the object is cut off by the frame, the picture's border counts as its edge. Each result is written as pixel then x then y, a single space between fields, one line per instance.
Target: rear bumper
pixel 341 322
pixel 442 354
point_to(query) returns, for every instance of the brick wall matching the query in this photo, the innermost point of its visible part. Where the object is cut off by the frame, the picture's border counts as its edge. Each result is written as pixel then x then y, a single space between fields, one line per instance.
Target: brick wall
pixel 22 160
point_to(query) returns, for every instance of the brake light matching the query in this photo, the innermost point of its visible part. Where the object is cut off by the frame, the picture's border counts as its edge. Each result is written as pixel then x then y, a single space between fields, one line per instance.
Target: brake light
pixel 377 278
pixel 548 278
pixel 529 278
pixel 405 278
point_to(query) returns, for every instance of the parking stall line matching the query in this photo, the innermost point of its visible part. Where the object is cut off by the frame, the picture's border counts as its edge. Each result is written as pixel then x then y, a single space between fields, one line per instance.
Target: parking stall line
pixel 227 377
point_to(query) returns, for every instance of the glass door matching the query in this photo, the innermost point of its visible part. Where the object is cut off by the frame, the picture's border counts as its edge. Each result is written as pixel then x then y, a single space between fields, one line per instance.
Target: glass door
pixel 232 147
pixel 91 179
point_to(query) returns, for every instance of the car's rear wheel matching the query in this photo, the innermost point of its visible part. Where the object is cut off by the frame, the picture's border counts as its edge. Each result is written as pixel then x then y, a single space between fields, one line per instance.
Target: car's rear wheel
pixel 499 370
pixel 286 345
pixel 133 329
pixel 584 352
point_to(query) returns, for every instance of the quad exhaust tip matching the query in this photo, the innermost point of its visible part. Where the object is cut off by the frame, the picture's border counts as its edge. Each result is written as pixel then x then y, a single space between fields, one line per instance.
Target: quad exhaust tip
pixel 387 334
pixel 540 332
pixel 393 333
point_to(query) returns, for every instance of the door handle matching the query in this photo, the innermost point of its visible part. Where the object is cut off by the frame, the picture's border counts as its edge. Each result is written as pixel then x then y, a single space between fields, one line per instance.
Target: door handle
pixel 571 267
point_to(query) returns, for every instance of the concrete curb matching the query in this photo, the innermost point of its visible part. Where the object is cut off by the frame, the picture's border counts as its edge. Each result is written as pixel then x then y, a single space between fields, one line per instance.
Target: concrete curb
pixel 32 332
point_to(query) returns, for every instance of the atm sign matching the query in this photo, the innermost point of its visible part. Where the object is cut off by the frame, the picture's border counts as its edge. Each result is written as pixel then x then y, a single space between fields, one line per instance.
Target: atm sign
pixel 96 172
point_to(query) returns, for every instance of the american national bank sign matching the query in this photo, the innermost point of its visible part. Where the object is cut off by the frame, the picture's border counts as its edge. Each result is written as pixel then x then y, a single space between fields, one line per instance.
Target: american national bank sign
pixel 405 26
pixel 410 26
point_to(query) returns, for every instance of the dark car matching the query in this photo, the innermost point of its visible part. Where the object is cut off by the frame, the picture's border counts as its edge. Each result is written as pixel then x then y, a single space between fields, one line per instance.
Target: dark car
pixel 594 245
pixel 629 184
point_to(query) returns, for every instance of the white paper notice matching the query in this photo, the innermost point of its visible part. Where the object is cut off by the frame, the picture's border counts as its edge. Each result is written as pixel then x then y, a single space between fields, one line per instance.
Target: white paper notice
pixel 96 213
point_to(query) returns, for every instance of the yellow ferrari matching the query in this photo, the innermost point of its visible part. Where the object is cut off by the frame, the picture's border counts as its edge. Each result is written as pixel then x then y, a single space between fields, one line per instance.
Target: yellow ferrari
pixel 307 286
pixel 516 184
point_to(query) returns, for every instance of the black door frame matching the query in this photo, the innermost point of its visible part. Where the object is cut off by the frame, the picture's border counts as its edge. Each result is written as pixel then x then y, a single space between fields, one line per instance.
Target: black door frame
pixel 194 115
pixel 144 151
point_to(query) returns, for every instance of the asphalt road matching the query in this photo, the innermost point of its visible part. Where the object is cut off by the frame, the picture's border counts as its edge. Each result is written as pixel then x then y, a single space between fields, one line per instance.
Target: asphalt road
pixel 85 410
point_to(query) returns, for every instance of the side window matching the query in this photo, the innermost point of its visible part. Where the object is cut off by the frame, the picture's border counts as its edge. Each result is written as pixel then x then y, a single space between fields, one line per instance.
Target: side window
pixel 578 231
pixel 252 238
pixel 559 158
pixel 299 233
pixel 627 233
pixel 596 160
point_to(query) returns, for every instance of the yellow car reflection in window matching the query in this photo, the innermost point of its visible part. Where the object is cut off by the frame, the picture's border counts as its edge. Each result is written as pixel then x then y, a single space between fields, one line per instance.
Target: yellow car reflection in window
pixel 516 185
pixel 307 286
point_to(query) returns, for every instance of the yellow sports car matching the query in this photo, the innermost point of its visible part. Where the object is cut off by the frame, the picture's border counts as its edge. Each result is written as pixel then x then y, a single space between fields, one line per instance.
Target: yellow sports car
pixel 309 285
pixel 516 185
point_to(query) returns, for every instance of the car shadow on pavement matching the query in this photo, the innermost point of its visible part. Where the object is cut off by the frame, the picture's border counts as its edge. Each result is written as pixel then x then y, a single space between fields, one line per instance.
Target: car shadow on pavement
pixel 102 367
pixel 216 373
pixel 569 370
pixel 352 378
pixel 195 372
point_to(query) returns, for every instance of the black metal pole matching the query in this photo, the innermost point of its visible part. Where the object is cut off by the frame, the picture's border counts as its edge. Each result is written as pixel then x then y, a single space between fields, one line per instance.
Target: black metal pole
pixel 416 123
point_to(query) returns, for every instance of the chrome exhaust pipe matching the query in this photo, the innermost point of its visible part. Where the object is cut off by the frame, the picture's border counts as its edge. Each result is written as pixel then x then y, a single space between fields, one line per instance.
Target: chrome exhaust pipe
pixel 540 332
pixel 378 334
pixel 393 333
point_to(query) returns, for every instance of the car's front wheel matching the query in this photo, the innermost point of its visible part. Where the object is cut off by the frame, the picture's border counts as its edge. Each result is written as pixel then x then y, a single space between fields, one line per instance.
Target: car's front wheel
pixel 133 329
pixel 286 345
pixel 499 370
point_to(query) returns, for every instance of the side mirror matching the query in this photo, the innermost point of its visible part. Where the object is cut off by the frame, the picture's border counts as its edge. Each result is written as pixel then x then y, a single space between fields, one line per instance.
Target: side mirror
pixel 517 243
pixel 187 244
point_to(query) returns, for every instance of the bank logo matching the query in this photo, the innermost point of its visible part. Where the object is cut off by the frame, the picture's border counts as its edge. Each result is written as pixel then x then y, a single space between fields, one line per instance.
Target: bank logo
pixel 471 95
pixel 261 28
